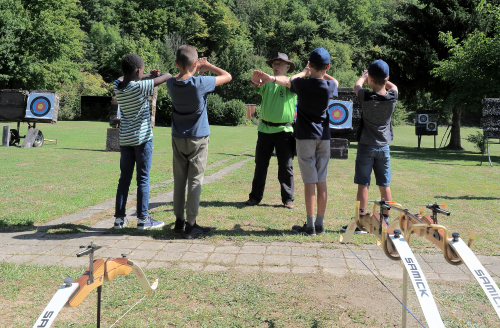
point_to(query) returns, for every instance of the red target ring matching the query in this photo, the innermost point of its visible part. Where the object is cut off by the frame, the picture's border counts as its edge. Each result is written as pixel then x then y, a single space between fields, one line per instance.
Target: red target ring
pixel 337 114
pixel 40 106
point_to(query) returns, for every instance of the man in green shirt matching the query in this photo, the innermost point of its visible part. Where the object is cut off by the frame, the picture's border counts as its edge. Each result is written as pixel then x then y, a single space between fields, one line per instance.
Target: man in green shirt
pixel 277 112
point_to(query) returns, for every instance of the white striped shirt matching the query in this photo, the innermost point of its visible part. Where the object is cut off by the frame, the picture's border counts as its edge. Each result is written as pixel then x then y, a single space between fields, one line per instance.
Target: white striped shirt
pixel 135 124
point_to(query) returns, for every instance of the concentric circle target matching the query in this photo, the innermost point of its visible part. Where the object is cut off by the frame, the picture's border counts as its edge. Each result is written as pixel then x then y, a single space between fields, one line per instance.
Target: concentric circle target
pixel 423 118
pixel 431 126
pixel 338 114
pixel 40 106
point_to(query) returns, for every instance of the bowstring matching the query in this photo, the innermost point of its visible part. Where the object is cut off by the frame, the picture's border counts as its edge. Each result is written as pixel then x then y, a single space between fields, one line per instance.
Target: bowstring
pixel 385 286
pixel 130 309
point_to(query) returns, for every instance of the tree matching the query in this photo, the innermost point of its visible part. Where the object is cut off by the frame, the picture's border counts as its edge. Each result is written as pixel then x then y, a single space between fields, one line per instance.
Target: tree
pixel 414 47
pixel 471 67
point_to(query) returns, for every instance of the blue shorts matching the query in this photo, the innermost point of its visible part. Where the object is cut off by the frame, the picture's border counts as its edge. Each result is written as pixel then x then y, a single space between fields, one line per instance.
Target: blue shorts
pixel 376 158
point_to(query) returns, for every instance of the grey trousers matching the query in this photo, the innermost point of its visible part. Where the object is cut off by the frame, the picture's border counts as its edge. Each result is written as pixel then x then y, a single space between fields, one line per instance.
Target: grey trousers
pixel 189 163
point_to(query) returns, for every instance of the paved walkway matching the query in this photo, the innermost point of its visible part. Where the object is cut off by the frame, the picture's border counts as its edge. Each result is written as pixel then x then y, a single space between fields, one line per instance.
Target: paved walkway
pixel 277 257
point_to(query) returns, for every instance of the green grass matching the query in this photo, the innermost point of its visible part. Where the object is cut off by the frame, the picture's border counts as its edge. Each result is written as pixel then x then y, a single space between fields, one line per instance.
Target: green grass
pixel 188 299
pixel 41 184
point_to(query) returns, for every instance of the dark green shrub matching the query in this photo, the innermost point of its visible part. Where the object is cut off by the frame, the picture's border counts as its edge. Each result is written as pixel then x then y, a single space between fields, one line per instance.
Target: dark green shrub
pixel 215 109
pixel 163 108
pixel 234 112
pixel 478 141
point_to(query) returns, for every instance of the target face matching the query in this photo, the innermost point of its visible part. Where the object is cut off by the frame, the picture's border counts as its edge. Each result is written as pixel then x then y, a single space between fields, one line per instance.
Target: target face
pixel 431 126
pixel 422 118
pixel 40 106
pixel 295 117
pixel 338 113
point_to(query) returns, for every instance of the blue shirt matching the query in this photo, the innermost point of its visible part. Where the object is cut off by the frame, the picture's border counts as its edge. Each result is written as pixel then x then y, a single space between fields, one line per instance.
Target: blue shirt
pixel 189 110
pixel 312 107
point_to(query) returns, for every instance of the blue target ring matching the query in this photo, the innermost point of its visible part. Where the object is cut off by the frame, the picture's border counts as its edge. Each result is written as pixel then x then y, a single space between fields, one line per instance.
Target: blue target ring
pixel 337 114
pixel 40 106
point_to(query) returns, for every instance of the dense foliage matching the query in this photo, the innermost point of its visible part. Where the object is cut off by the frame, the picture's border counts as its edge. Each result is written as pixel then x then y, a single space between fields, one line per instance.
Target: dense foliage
pixel 75 46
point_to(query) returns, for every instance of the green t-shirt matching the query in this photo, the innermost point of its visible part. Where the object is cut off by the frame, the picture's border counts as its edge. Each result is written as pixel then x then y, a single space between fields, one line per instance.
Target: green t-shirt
pixel 278 106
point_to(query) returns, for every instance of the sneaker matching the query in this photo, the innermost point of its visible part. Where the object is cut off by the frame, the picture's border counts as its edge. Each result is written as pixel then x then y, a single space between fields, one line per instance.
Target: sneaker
pixel 319 229
pixel 149 223
pixel 179 225
pixel 308 231
pixel 289 205
pixel 357 231
pixel 120 223
pixel 252 202
pixel 194 231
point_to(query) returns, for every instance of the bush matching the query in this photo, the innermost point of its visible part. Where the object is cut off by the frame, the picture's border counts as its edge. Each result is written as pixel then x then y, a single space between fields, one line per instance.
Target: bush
pixel 215 109
pixel 163 108
pixel 477 140
pixel 234 112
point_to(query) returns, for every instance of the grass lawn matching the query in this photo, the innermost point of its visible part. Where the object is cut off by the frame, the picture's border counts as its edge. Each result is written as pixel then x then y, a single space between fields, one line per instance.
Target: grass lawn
pixel 41 184
pixel 192 299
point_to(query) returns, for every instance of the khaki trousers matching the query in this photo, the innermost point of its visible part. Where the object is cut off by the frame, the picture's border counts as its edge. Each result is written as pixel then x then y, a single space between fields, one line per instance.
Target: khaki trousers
pixel 189 163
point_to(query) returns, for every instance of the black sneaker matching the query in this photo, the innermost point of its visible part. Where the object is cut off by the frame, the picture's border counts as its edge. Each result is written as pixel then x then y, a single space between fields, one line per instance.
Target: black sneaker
pixel 179 225
pixel 308 231
pixel 357 231
pixel 319 229
pixel 194 231
pixel 252 202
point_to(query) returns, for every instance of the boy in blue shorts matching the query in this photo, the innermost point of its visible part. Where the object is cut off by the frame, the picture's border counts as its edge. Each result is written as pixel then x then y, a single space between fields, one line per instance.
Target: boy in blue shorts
pixel 376 135
pixel 190 131
pixel 312 131
pixel 136 138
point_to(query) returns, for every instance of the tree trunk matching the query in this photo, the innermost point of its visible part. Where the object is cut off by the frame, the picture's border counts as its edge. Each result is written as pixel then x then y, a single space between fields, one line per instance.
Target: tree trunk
pixel 455 140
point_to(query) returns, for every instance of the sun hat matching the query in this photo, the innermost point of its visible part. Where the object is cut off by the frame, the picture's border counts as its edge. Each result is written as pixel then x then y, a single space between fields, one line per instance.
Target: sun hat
pixel 379 69
pixel 320 56
pixel 283 57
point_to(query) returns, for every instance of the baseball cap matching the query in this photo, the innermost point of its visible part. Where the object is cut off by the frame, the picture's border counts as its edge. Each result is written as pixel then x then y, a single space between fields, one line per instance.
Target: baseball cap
pixel 320 56
pixel 379 68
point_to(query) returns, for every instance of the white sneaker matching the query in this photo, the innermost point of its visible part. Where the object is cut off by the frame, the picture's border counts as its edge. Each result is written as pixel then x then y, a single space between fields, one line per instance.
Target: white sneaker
pixel 120 223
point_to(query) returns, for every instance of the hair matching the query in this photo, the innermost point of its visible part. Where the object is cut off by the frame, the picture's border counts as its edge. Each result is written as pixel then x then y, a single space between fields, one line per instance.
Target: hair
pixel 186 56
pixel 379 80
pixel 131 62
pixel 318 67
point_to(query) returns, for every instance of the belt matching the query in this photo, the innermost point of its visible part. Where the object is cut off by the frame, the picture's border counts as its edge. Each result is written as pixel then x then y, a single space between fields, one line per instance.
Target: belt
pixel 277 124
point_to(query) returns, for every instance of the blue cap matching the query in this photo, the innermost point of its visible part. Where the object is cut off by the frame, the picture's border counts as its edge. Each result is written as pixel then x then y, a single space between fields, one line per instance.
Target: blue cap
pixel 320 56
pixel 379 69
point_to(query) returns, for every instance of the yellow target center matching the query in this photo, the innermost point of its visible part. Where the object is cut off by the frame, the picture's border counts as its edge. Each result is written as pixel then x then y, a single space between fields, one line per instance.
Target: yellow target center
pixel 39 106
pixel 336 114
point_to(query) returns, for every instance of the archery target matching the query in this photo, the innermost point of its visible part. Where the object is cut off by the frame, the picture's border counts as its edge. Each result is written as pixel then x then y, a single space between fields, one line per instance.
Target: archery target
pixel 423 118
pixel 295 117
pixel 431 126
pixel 40 106
pixel 340 114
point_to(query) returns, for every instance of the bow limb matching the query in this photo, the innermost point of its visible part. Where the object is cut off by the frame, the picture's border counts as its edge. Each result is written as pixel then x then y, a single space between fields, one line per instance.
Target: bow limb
pixel 142 277
pixel 55 305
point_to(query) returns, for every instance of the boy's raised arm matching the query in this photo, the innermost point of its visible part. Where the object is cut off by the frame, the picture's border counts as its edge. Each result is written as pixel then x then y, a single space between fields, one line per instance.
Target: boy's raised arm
pixel 328 77
pixel 222 77
pixel 305 72
pixel 362 80
pixel 391 86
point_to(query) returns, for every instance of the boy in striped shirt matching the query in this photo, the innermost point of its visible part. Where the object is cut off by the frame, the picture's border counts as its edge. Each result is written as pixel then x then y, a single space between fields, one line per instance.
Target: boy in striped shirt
pixel 136 138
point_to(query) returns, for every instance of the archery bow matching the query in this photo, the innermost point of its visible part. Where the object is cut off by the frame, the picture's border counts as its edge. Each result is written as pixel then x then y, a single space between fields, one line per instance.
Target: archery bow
pixel 73 293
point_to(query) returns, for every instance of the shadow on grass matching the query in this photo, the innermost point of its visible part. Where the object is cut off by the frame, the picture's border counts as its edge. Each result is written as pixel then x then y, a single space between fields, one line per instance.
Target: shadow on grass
pixel 468 197
pixel 82 149
pixel 435 155
pixel 237 155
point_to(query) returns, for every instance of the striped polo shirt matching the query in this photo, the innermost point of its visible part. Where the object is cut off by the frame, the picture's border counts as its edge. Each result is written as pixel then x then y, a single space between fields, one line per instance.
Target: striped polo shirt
pixel 135 124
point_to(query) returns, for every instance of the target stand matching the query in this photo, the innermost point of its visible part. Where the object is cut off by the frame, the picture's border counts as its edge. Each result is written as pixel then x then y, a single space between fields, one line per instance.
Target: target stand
pixel 426 124
pixel 35 106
